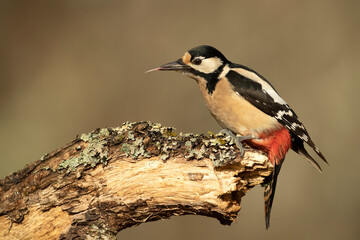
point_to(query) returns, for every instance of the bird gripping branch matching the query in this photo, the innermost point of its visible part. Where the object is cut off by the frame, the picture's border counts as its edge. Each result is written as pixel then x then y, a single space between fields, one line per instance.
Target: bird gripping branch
pixel 243 102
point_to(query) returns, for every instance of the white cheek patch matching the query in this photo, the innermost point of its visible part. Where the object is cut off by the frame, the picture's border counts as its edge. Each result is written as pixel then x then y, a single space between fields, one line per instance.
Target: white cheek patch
pixel 208 65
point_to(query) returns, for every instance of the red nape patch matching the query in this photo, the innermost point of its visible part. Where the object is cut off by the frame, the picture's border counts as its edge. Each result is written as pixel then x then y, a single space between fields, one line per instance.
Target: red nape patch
pixel 275 143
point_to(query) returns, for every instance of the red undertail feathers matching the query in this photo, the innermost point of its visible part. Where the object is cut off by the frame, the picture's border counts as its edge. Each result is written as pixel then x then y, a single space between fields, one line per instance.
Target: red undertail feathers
pixel 276 143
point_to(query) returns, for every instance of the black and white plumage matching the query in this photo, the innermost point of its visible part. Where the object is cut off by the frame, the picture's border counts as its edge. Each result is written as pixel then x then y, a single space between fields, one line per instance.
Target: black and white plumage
pixel 260 93
pixel 245 103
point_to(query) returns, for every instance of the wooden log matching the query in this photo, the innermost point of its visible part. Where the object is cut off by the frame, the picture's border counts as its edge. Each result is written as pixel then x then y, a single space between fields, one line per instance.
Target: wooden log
pixel 114 178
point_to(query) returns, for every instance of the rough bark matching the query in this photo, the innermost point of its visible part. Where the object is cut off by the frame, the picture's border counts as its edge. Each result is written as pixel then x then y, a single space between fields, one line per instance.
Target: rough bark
pixel 114 178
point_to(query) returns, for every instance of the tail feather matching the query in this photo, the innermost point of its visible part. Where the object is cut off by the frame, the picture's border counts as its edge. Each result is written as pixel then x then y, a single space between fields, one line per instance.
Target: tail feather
pixel 269 193
pixel 297 146
pixel 316 149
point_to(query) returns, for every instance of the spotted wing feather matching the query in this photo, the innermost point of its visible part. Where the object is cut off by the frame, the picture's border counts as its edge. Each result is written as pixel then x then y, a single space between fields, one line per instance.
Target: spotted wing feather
pixel 253 92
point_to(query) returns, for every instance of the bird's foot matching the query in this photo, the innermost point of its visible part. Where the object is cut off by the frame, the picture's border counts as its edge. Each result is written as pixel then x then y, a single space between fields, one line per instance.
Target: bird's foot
pixel 237 139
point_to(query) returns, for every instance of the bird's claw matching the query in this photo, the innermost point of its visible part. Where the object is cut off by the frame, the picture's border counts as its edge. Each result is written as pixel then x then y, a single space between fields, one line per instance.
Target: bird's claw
pixel 237 140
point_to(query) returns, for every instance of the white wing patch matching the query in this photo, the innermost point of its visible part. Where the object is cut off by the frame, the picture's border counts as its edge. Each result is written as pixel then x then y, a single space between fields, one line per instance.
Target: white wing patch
pixel 266 86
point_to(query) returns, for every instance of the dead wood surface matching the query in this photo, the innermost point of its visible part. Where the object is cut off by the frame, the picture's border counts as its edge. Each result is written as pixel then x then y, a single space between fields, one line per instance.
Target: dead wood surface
pixel 114 178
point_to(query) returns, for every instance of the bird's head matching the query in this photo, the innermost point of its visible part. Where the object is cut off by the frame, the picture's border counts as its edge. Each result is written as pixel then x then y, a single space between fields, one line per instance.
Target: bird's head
pixel 203 61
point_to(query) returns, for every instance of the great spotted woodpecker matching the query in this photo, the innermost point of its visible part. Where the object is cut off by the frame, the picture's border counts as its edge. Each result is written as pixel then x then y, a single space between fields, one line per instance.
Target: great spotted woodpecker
pixel 243 102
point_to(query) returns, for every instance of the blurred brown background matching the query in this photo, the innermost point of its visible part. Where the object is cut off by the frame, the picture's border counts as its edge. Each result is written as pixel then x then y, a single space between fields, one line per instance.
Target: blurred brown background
pixel 68 67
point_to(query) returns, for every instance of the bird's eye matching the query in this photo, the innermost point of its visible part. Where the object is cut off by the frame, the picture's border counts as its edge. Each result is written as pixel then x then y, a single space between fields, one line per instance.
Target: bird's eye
pixel 197 61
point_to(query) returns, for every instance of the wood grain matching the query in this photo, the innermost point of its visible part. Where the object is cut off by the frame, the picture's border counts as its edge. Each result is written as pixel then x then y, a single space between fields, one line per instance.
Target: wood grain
pixel 115 178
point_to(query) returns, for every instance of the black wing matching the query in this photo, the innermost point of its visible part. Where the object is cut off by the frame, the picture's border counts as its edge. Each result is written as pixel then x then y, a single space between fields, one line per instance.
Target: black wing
pixel 254 93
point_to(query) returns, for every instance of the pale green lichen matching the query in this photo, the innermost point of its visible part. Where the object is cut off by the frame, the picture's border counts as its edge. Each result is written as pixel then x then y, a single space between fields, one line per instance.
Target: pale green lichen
pixel 217 142
pixel 135 149
pixel 94 153
pixel 126 148
pixel 131 136
pixel 197 153
pixel 212 156
pixel 163 142
pixel 188 145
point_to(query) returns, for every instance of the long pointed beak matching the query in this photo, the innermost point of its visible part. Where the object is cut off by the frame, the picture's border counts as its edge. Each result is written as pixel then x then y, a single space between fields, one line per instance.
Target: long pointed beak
pixel 177 65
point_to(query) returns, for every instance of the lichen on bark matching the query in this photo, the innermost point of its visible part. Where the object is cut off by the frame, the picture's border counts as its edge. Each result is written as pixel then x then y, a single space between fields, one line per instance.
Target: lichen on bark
pixel 114 178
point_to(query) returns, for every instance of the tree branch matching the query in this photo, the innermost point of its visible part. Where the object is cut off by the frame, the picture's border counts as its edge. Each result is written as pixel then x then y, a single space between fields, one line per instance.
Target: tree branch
pixel 114 178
